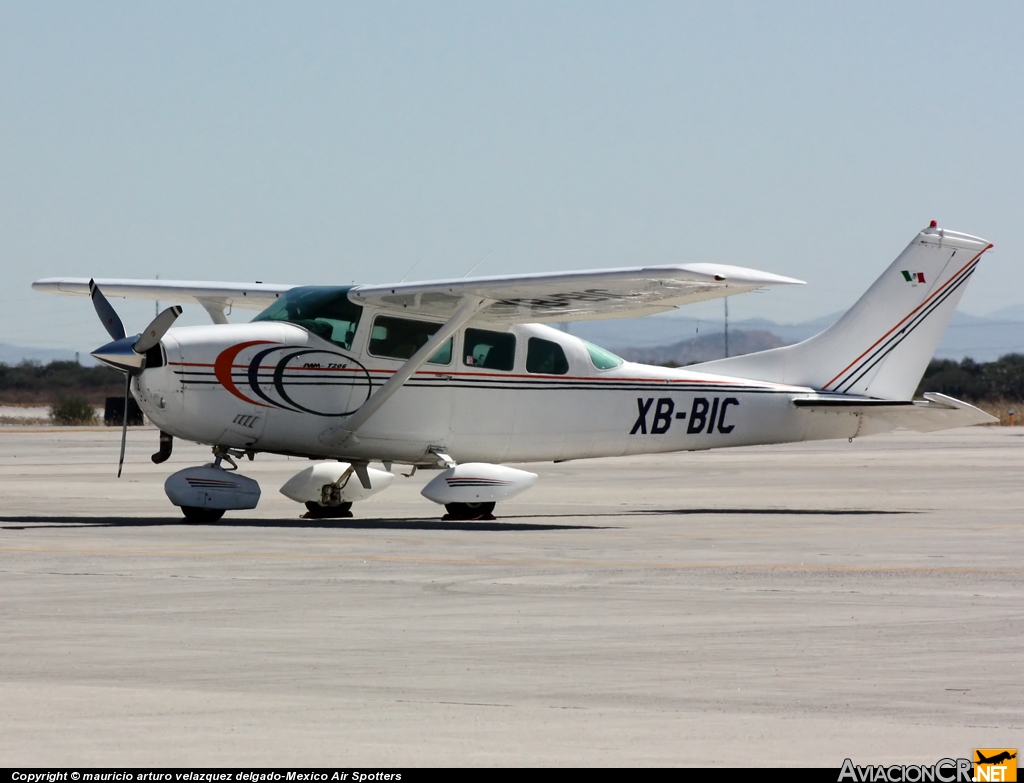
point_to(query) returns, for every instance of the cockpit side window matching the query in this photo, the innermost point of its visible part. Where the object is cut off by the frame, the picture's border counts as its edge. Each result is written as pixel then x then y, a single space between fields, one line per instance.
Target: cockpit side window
pixel 489 350
pixel 400 338
pixel 324 311
pixel 544 356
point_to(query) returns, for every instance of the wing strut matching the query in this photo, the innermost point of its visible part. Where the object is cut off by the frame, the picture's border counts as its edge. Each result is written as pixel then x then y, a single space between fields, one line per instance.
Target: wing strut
pixel 335 436
pixel 216 309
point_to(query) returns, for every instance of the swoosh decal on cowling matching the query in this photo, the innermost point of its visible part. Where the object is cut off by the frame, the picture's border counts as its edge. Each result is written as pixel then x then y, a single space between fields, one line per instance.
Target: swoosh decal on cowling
pixel 222 369
pixel 254 373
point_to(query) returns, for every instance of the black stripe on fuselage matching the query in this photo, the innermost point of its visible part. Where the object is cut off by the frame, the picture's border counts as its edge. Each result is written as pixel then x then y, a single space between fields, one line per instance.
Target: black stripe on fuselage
pixel 510 385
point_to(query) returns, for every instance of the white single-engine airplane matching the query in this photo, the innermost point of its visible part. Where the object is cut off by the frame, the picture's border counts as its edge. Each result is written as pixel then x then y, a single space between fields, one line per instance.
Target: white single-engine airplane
pixel 458 375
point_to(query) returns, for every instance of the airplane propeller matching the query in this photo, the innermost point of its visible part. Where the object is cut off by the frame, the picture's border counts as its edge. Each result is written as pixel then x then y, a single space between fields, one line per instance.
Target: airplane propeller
pixel 127 354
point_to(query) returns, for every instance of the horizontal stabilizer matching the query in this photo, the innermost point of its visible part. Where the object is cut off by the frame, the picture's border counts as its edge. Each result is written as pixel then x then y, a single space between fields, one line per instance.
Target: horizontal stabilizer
pixel 934 412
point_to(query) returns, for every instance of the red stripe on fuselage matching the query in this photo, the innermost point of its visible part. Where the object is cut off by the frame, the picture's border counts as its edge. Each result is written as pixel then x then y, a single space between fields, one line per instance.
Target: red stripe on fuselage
pixel 452 374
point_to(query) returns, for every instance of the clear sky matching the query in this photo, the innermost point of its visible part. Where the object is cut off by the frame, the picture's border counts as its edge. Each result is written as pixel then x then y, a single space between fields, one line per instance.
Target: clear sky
pixel 331 142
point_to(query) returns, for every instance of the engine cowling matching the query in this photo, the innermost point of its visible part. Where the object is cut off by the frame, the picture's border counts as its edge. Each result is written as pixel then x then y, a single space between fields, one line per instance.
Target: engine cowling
pixel 326 484
pixel 478 482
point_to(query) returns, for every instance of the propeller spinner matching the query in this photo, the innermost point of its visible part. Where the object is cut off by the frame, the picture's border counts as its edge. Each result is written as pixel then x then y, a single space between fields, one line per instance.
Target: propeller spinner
pixel 127 354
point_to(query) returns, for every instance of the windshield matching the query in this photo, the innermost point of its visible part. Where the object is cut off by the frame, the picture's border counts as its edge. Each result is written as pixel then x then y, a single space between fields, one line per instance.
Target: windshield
pixel 324 311
pixel 602 359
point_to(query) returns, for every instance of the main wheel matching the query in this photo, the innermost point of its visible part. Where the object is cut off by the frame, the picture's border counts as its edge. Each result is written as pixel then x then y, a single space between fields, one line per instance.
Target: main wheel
pixel 469 510
pixel 196 514
pixel 316 511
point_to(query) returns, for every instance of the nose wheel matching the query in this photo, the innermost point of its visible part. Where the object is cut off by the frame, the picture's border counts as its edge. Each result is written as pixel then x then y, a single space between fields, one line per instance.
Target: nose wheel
pixel 467 511
pixel 205 492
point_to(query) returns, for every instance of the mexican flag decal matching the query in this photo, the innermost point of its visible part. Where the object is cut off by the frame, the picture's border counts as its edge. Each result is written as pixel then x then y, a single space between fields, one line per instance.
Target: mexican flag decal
pixel 913 277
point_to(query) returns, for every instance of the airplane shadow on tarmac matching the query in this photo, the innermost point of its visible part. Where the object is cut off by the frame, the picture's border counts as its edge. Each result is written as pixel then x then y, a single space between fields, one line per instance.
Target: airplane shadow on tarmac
pixel 513 525
pixel 41 522
pixel 782 512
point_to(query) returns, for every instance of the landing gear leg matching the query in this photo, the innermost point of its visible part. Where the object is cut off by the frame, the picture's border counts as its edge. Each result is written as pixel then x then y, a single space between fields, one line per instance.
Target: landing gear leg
pixel 468 511
pixel 220 455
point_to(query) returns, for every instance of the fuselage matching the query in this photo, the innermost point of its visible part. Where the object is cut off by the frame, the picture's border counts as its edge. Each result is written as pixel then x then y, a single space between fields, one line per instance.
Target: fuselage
pixel 527 392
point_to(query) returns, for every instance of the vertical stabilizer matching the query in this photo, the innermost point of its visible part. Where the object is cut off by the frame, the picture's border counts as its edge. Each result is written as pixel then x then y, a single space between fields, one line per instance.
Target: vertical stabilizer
pixel 882 345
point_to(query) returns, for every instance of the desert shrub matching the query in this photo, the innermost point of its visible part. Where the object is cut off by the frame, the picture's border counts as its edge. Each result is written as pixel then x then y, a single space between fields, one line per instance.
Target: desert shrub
pixel 73 411
pixel 973 381
pixel 34 382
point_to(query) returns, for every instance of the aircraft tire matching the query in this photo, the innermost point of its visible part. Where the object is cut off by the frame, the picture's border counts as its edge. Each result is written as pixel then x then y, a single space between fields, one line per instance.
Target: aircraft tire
pixel 316 511
pixel 469 510
pixel 196 514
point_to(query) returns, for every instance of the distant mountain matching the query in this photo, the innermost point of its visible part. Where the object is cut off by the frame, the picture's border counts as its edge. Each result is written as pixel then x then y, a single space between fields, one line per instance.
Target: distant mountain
pixel 788 333
pixel 14 354
pixel 663 330
pixel 704 348
pixel 982 338
pixel 1013 313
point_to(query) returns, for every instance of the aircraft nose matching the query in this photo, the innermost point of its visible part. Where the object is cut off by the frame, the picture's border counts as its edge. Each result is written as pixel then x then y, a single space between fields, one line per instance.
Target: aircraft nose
pixel 120 355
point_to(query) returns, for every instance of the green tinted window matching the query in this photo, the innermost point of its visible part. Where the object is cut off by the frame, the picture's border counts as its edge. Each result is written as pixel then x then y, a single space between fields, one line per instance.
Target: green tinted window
pixel 489 350
pixel 400 338
pixel 321 310
pixel 544 356
pixel 602 359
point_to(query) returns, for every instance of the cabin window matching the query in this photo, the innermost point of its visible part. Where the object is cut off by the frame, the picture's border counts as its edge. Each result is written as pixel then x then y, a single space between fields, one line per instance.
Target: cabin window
pixel 602 359
pixel 544 356
pixel 489 350
pixel 321 310
pixel 400 338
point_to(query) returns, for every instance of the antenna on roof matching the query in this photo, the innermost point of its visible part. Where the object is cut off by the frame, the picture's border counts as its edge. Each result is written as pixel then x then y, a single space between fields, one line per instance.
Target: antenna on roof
pixel 726 300
pixel 410 270
pixel 476 265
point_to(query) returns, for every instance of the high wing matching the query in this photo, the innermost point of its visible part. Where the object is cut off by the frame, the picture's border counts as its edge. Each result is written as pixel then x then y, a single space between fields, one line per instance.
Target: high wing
pixel 563 296
pixel 572 296
pixel 215 297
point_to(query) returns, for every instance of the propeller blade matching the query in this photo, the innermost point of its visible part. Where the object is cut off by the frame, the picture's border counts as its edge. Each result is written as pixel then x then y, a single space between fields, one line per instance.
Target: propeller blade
pixel 124 423
pixel 111 321
pixel 157 328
